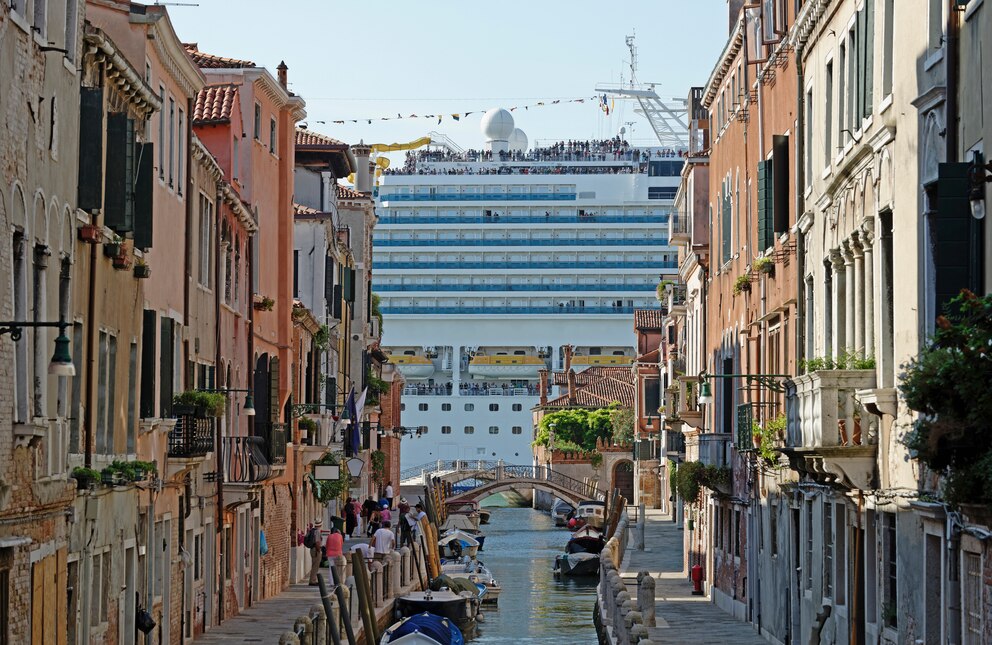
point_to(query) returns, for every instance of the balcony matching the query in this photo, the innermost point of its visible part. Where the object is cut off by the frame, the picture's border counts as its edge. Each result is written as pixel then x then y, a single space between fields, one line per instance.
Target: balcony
pixel 674 444
pixel 830 437
pixel 699 125
pixel 680 228
pixel 714 448
pixel 191 438
pixel 244 460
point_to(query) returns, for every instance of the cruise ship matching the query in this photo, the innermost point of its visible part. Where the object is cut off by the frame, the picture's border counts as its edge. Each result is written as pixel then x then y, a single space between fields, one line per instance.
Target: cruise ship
pixel 490 262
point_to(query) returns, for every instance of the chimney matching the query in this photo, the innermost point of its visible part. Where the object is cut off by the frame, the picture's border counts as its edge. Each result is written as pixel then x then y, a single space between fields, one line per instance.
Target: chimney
pixel 543 374
pixel 734 13
pixel 572 395
pixel 363 167
pixel 281 72
pixel 568 357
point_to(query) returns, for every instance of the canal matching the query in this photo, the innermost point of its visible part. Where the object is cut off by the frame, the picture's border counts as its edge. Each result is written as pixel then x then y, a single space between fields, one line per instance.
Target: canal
pixel 535 607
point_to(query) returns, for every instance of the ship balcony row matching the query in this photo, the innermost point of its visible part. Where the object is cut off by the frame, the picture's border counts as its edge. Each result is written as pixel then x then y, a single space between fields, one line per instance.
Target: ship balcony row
pixel 382 287
pixel 561 262
pixel 390 217
pixel 644 239
pixel 497 310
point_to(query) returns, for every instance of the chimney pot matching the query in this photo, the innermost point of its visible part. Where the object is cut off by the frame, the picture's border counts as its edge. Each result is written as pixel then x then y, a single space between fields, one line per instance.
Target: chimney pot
pixel 572 395
pixel 282 73
pixel 544 386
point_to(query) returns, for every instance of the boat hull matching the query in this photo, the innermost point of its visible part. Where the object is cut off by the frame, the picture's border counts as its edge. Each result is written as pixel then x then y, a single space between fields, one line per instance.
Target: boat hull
pixel 461 611
pixel 571 566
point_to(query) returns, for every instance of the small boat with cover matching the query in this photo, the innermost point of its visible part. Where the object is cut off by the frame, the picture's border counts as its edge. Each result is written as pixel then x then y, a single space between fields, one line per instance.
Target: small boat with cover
pixel 423 629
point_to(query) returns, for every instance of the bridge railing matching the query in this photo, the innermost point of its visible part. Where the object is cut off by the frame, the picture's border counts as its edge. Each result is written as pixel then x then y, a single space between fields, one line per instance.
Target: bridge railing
pixel 502 473
pixel 447 465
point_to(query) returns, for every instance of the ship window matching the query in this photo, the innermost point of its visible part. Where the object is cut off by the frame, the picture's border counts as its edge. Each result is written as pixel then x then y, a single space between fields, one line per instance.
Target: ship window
pixel 409 352
pixel 494 407
pixel 517 430
pixel 595 351
pixel 618 352
pixel 517 407
pixel 445 429
pixel 422 407
pixel 446 407
pixel 469 407
pixel 519 352
pixel 493 429
pixel 402 407
pixel 469 429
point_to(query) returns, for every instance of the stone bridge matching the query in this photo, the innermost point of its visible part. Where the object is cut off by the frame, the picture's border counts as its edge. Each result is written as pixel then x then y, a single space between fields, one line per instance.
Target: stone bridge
pixel 478 483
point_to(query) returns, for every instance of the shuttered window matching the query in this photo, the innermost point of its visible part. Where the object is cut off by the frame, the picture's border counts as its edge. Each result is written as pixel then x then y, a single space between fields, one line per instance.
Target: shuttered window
pixel 143 182
pixel 148 329
pixel 119 207
pixel 957 239
pixel 725 223
pixel 780 188
pixel 166 364
pixel 348 283
pixel 766 203
pixel 89 194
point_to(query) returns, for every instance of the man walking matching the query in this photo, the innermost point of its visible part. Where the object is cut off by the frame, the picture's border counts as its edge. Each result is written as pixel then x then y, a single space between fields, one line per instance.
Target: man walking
pixel 312 541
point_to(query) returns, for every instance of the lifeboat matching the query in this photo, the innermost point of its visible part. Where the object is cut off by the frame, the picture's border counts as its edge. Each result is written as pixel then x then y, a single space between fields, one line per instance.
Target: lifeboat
pixel 413 366
pixel 505 366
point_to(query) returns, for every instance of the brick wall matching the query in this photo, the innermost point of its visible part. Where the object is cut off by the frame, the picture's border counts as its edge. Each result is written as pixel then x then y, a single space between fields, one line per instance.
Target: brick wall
pixel 274 566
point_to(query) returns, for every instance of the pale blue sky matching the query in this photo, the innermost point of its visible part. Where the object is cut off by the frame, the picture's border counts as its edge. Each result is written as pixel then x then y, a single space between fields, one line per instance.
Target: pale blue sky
pixel 363 59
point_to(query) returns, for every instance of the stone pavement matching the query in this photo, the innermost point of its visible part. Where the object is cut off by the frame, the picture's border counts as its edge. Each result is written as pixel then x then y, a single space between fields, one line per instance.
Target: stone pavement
pixel 680 616
pixel 266 620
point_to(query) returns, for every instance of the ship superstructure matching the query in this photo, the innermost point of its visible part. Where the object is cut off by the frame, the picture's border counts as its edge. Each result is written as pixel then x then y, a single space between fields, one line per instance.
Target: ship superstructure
pixel 489 262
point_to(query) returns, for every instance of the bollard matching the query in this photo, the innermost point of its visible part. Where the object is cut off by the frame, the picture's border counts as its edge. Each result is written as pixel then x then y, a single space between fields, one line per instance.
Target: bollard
pixel 646 598
pixel 304 624
pixel 638 634
pixel 641 525
pixel 321 626
pixel 394 573
pixel 376 575
pixel 289 638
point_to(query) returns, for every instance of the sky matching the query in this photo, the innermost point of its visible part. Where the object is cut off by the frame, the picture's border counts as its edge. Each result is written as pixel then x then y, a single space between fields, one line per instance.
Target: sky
pixel 367 60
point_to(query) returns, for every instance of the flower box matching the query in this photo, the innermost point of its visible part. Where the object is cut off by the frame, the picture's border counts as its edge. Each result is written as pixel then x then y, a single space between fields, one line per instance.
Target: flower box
pixel 89 233
pixel 122 263
pixel 142 271
pixel 112 249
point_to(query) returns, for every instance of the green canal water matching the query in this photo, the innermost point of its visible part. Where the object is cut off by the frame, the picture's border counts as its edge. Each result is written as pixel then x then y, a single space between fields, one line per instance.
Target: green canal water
pixel 535 607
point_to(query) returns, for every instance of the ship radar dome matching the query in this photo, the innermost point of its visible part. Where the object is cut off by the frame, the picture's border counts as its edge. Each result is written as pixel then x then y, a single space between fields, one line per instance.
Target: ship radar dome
pixel 497 125
pixel 518 141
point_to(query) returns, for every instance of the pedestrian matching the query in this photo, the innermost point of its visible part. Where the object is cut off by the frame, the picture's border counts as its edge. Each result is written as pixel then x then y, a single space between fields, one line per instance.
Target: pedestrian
pixel 312 542
pixel 385 514
pixel 383 539
pixel 334 549
pixel 404 525
pixel 413 518
pixel 375 521
pixel 389 494
pixel 367 507
pixel 350 517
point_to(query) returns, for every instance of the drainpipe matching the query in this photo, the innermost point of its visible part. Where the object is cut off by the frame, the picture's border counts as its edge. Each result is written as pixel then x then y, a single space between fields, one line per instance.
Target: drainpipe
pixel 188 242
pixel 219 447
pixel 801 312
pixel 91 358
pixel 953 53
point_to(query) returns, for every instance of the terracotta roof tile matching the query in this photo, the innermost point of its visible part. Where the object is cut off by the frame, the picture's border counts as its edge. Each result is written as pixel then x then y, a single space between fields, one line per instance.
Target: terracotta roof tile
pixel 602 386
pixel 648 318
pixel 300 209
pixel 309 139
pixel 214 103
pixel 209 61
pixel 348 193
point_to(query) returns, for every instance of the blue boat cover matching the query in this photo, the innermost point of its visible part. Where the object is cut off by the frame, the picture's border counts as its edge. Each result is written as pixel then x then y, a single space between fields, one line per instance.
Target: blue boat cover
pixel 440 629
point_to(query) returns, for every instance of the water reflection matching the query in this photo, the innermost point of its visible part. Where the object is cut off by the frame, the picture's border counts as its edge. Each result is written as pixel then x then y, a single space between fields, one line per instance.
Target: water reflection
pixel 534 607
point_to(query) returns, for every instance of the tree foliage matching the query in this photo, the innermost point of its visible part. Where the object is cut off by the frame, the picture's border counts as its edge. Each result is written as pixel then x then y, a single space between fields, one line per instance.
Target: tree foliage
pixel 948 385
pixel 622 420
pixel 576 429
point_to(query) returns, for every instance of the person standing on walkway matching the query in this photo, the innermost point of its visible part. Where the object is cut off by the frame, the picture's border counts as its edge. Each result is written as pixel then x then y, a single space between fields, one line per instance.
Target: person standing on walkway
pixel 334 549
pixel 350 517
pixel 312 542
pixel 383 540
pixel 404 524
pixel 367 507
pixel 389 495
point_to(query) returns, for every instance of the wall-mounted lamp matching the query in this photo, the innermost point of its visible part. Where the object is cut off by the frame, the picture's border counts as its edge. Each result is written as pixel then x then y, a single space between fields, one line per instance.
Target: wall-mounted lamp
pixel 978 177
pixel 61 363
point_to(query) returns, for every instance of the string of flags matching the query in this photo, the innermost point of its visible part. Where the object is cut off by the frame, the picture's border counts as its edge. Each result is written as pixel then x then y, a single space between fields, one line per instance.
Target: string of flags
pixel 458 116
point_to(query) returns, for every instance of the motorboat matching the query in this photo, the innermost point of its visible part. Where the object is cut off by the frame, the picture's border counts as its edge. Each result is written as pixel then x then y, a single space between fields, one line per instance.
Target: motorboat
pixel 581 557
pixel 423 629
pixel 465 525
pixel 560 512
pixel 484 516
pixel 456 544
pixel 460 607
pixel 476 572
pixel 591 513
pixel 465 510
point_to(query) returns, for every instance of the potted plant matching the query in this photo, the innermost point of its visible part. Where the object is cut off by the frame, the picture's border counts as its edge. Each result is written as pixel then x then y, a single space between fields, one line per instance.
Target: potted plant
pixel 141 269
pixel 263 303
pixel 309 427
pixel 85 477
pixel 122 261
pixel 199 404
pixel 89 233
pixel 112 248
pixel 662 289
pixel 764 265
pixel 742 284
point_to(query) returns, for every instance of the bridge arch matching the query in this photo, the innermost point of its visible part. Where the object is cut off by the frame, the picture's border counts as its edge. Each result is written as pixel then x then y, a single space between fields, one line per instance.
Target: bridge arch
pixel 502 478
pixel 482 492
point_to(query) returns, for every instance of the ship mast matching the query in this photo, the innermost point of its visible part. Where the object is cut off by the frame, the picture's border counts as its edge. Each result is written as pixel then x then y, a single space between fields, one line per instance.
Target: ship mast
pixel 667 119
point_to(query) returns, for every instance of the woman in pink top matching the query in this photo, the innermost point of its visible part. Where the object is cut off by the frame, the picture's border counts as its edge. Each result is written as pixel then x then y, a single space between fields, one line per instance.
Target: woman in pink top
pixel 334 545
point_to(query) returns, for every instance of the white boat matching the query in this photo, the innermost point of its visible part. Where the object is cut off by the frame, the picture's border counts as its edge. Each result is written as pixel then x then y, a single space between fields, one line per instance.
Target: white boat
pixel 560 512
pixel 591 513
pixel 476 572
pixel 456 544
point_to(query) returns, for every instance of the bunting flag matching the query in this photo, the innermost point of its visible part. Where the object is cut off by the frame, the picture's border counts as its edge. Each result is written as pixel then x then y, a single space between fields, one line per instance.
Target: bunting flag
pixel 458 116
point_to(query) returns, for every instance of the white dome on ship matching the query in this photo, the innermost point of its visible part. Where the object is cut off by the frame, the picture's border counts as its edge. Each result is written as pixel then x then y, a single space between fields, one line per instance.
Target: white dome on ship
pixel 497 124
pixel 518 141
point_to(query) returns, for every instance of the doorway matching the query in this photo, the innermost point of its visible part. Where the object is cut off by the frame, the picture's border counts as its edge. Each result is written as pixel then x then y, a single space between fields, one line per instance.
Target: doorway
pixel 623 479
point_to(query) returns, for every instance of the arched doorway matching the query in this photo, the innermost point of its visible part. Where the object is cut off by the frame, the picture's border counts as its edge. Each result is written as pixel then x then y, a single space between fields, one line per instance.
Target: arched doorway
pixel 623 479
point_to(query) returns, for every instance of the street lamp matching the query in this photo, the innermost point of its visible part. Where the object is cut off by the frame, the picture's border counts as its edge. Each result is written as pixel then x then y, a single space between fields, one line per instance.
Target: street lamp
pixel 768 381
pixel 978 179
pixel 61 363
pixel 355 466
pixel 705 394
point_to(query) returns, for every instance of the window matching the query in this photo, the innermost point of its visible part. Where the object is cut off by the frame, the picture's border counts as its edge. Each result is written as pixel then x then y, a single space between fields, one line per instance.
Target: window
pixel 445 429
pixel 828 549
pixel 662 192
pixel 773 529
pixel 493 429
pixel 517 430
pixel 889 570
pixel 161 135
pixel 737 533
pixel 840 555
pixel 494 407
pixel 469 407
pixel 402 407
pixel 828 116
pixel 99 588
pixel 887 48
pixel 258 121
pixel 106 370
pixel 445 407
pixel 41 18
pixel 20 313
pixel 853 119
pixel 76 412
pixel 842 128
pixel 469 429
pixel 205 276
pixel 180 144
pixel 272 136
pixel 517 407
pixel 809 137
pixel 172 141
pixel 935 24
pixel 971 596
pixel 71 27
pixel 422 407
pixel 236 160
pixel 809 545
pixel 132 397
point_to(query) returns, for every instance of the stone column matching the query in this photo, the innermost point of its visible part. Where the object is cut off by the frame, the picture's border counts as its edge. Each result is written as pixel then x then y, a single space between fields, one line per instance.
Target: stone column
pixel 867 241
pixel 859 295
pixel 837 303
pixel 849 289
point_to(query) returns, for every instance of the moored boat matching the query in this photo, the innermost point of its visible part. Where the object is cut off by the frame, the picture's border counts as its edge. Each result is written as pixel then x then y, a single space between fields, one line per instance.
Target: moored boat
pixel 456 544
pixel 464 524
pixel 484 516
pixel 460 608
pixel 476 572
pixel 423 629
pixel 581 557
pixel 591 513
pixel 560 512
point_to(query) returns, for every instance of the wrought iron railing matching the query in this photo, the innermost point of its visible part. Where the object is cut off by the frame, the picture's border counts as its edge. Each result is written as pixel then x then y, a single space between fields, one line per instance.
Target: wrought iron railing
pixel 244 460
pixel 500 474
pixel 191 437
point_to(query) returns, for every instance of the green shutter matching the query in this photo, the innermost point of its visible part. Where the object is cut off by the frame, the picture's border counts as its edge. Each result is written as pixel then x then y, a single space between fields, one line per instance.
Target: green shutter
pixel 869 57
pixel 89 193
pixel 349 284
pixel 274 389
pixel 117 183
pixel 763 180
pixel 725 224
pixel 143 185
pixel 956 235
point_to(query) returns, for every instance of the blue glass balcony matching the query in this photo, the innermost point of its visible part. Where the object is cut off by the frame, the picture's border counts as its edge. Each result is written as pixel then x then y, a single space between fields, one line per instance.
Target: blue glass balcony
pixel 513 287
pixel 479 197
pixel 383 265
pixel 385 217
pixel 571 311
